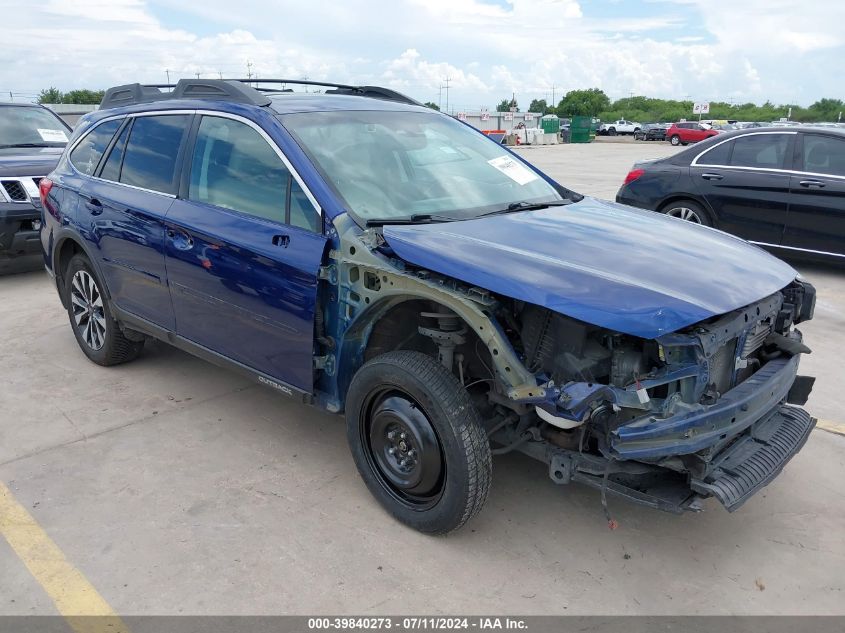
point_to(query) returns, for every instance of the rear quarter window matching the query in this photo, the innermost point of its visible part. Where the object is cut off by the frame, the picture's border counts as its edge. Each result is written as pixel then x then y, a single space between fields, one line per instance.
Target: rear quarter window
pixel 87 153
pixel 719 155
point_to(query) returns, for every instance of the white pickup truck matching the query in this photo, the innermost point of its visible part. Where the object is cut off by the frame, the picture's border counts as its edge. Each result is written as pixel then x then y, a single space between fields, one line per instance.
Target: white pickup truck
pixel 619 127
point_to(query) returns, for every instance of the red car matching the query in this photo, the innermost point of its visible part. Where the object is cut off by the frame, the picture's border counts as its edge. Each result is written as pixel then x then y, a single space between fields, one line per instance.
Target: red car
pixel 689 132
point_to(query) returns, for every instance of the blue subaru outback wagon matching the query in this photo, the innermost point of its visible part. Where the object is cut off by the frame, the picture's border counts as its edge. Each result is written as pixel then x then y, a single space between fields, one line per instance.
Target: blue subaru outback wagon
pixel 355 250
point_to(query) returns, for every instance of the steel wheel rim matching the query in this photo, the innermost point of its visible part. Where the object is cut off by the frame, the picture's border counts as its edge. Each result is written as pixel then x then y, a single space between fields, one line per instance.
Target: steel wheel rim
pixel 87 307
pixel 395 429
pixel 685 213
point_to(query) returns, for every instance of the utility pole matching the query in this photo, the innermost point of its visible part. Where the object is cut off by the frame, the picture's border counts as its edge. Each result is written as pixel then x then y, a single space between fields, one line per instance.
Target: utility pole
pixel 553 104
pixel 248 69
pixel 447 80
pixel 440 97
pixel 168 75
pixel 198 75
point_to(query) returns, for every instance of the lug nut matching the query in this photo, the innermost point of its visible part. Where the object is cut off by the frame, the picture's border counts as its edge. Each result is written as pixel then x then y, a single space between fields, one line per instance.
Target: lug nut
pixel 391 435
pixel 402 436
pixel 391 451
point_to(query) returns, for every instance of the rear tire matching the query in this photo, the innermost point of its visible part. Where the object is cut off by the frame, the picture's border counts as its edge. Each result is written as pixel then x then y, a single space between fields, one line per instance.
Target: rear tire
pixel 675 140
pixel 97 333
pixel 418 441
pixel 690 211
pixel 611 131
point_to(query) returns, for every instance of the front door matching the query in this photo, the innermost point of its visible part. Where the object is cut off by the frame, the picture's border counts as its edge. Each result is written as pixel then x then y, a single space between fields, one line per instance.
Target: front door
pixel 243 250
pixel 744 182
pixel 817 196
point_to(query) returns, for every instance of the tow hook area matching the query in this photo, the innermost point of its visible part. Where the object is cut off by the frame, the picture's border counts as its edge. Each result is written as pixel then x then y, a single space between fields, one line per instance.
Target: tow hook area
pixel 732 474
pixel 756 457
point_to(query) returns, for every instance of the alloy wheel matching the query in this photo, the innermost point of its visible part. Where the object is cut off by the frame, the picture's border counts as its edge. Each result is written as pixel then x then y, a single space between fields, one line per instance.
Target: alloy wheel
pixel 685 213
pixel 87 303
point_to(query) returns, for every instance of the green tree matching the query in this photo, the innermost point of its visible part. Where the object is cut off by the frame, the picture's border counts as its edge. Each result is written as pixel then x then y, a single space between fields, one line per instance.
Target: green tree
pixel 83 96
pixel 538 105
pixel 432 105
pixel 50 95
pixel 506 105
pixel 583 103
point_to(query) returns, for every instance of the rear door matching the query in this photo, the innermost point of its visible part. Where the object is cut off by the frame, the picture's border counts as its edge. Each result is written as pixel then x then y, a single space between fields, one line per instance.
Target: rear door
pixel 696 132
pixel 745 182
pixel 125 205
pixel 816 219
pixel 243 248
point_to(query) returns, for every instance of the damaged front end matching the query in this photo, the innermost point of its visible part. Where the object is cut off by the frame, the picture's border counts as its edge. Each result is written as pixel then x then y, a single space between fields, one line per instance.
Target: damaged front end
pixel 709 410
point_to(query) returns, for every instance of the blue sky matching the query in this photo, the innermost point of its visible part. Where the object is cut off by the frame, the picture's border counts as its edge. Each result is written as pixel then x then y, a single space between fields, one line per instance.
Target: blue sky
pixel 747 50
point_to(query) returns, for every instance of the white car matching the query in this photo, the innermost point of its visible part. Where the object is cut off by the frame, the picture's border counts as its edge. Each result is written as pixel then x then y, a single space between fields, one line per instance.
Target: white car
pixel 619 127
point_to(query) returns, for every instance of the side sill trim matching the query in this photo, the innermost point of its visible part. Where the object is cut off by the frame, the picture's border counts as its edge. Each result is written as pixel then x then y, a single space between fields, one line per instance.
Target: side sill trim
pixel 151 329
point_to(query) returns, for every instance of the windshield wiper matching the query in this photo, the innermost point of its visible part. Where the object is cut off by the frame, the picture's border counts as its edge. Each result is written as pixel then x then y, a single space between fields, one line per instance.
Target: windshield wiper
pixel 417 218
pixel 526 206
pixel 425 218
pixel 25 145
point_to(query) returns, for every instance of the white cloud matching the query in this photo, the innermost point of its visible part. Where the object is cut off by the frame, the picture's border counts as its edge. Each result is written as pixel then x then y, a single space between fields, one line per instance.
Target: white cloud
pixel 708 49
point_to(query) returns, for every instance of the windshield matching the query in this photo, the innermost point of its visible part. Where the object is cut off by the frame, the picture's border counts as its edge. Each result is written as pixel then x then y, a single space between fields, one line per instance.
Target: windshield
pixel 25 126
pixel 394 165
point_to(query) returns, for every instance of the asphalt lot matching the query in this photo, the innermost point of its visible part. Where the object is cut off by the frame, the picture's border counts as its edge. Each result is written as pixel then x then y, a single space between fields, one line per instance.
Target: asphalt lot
pixel 176 487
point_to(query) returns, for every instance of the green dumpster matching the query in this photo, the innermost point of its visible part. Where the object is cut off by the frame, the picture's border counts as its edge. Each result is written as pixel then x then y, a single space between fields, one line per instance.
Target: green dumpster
pixel 580 130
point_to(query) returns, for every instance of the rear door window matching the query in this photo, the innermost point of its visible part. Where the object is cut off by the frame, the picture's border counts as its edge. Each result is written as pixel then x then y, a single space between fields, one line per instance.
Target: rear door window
pixel 87 153
pixel 763 151
pixel 152 152
pixel 824 155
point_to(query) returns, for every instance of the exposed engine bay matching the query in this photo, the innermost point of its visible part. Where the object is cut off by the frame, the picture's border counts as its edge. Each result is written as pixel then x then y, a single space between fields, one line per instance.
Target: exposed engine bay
pixel 628 414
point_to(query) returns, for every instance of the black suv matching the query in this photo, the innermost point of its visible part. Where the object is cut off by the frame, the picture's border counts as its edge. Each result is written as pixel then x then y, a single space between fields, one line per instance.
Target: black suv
pixel 32 139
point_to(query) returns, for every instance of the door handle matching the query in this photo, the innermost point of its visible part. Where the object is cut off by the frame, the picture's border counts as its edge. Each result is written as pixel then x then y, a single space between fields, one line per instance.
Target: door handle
pixel 181 240
pixel 812 183
pixel 712 176
pixel 94 206
pixel 281 240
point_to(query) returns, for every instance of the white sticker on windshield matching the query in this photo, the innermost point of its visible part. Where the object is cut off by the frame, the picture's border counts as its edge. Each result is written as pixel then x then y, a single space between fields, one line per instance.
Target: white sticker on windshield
pixel 53 136
pixel 513 170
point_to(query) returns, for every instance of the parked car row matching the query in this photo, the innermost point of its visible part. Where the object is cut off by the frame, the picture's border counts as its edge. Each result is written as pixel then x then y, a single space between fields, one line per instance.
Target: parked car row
pixel 361 252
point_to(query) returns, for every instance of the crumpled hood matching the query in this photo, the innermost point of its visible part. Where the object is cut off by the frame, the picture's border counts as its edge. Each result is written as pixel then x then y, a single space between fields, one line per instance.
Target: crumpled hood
pixel 36 161
pixel 628 270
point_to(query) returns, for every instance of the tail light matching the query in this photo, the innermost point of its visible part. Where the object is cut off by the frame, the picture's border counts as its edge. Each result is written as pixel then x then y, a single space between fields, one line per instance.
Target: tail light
pixel 44 186
pixel 633 175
